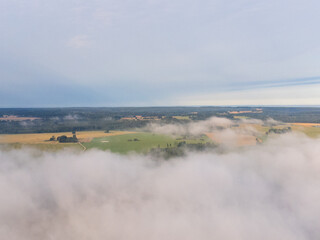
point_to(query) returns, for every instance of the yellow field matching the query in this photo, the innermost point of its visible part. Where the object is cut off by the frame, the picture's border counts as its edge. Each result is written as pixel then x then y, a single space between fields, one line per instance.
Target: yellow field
pixel 42 138
pixel 306 124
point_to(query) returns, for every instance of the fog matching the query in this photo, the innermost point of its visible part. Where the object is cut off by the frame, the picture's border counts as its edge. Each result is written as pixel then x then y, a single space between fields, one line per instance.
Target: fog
pixel 269 191
pixel 191 128
pixel 227 133
pixel 215 124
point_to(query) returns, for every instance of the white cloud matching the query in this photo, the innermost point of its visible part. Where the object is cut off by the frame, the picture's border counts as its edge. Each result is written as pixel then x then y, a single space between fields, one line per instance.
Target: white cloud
pixel 266 192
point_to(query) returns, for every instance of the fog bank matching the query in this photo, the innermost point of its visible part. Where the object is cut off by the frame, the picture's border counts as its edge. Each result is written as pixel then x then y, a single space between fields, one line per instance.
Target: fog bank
pixel 190 128
pixel 263 192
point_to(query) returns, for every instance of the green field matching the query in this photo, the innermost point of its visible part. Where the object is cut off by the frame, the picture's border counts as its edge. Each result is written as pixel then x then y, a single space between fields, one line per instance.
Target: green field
pixel 313 132
pixel 144 142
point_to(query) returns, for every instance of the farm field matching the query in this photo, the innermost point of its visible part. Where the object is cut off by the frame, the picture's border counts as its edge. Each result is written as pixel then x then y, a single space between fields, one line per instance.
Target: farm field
pixel 42 138
pixel 311 130
pixel 143 143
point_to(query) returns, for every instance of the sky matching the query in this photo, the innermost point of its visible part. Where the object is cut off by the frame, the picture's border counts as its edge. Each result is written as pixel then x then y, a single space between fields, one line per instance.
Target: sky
pixel 159 53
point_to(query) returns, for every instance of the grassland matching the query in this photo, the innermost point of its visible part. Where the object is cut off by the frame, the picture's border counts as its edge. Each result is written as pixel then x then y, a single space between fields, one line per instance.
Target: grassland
pixel 144 142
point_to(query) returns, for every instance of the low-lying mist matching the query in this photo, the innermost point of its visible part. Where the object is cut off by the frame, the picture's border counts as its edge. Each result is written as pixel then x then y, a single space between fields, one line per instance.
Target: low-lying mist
pixel 269 191
pixel 225 132
pixel 190 128
pixel 208 125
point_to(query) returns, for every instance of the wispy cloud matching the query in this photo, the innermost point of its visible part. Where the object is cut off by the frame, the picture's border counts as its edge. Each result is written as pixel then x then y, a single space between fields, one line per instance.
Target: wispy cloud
pixel 277 83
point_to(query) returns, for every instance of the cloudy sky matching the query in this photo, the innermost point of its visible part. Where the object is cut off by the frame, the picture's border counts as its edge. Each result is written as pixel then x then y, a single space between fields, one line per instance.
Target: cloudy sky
pixel 159 52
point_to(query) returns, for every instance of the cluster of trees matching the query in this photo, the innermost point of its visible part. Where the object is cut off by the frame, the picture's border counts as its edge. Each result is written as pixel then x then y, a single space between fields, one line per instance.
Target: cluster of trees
pixel 180 149
pixel 65 139
pixel 135 140
pixel 279 130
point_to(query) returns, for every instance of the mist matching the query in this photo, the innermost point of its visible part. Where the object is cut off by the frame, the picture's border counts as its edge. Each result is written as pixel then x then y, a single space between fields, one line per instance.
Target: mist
pixel 269 191
pixel 190 128
pixel 227 133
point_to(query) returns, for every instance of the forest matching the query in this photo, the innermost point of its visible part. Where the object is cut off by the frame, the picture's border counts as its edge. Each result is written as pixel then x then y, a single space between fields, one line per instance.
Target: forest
pixel 81 119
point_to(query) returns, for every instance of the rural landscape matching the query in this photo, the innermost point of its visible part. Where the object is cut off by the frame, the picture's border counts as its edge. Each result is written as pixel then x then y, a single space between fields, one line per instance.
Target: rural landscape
pixel 122 131
pixel 84 172
pixel 159 120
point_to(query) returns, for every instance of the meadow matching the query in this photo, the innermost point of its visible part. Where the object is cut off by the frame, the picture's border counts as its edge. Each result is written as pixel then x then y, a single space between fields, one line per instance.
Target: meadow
pixel 140 142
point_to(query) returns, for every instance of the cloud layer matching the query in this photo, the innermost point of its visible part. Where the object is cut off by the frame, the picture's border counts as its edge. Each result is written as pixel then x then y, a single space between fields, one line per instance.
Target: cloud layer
pixel 265 192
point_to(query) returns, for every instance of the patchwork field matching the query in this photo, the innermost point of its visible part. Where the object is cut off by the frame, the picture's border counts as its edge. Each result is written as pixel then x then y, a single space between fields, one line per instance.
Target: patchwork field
pixel 142 142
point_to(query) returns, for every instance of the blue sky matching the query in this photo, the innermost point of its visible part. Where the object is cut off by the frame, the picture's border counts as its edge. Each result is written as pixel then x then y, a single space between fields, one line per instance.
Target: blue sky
pixel 152 52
